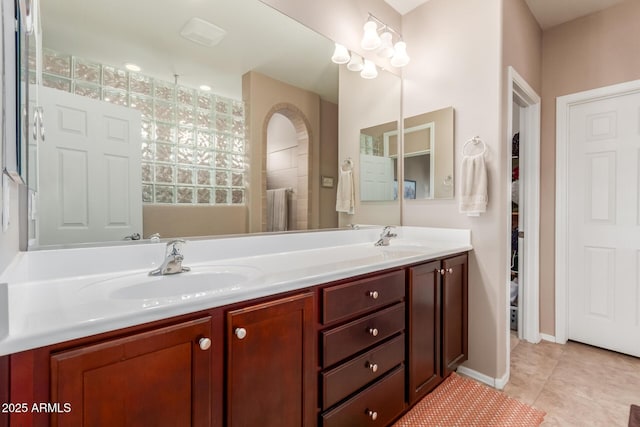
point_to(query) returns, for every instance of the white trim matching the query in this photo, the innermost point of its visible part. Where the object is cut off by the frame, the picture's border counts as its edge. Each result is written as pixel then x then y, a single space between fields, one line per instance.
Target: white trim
pixel 547 337
pixel 498 383
pixel 563 107
pixel 517 87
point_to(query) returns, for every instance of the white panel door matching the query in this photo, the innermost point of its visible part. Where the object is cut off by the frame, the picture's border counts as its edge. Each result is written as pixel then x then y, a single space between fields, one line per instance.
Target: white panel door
pixel 376 178
pixel 604 223
pixel 90 186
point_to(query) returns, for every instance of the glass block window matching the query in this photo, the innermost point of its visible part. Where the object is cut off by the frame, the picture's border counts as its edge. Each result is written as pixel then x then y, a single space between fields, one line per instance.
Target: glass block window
pixel 193 142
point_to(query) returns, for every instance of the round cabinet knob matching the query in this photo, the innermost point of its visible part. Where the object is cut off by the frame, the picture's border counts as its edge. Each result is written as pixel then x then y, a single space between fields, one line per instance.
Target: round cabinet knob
pixel 373 331
pixel 442 272
pixel 374 294
pixel 372 366
pixel 372 414
pixel 240 333
pixel 450 270
pixel 204 343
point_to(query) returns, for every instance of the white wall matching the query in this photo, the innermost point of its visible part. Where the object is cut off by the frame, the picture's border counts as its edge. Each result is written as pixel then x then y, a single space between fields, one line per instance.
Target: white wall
pixel 455 46
pixel 9 240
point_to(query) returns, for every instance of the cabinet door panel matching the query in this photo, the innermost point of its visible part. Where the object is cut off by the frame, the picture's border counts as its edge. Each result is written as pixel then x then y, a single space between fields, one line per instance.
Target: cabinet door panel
pixel 159 378
pixel 270 379
pixel 424 330
pixel 454 315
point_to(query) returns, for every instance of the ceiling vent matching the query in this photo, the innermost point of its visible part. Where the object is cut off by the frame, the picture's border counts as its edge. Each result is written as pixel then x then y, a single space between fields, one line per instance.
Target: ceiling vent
pixel 202 32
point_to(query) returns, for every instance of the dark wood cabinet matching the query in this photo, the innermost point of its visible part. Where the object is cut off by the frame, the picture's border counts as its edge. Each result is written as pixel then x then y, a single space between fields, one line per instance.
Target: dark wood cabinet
pixel 271 363
pixel 454 313
pixel 437 323
pixel 423 320
pixel 160 378
pixel 359 351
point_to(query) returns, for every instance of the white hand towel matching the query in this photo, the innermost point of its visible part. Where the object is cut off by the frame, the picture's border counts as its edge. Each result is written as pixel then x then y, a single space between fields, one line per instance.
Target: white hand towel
pixel 345 197
pixel 473 197
pixel 277 210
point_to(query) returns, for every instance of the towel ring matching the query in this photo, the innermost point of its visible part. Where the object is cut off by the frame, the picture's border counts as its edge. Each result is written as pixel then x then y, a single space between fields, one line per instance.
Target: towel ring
pixel 475 140
pixel 347 164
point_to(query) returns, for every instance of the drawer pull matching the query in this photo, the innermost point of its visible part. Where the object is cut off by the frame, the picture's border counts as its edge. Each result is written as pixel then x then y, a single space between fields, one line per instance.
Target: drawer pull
pixel 442 271
pixel 240 333
pixel 371 414
pixel 204 343
pixel 372 366
pixel 450 270
pixel 374 294
pixel 373 331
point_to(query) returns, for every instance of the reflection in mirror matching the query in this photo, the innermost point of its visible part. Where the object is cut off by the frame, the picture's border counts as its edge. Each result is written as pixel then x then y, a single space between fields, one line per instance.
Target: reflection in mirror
pixel 378 162
pixel 201 162
pixel 428 155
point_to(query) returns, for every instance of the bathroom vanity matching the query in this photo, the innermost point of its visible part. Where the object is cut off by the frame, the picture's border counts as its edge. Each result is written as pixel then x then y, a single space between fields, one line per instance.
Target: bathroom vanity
pixel 333 331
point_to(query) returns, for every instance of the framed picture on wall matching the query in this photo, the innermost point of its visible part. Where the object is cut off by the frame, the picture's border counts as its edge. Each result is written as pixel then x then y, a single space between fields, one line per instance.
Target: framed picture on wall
pixel 409 189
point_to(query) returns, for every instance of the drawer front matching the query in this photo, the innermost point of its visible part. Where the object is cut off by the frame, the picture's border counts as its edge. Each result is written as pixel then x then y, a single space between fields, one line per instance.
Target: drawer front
pixel 349 299
pixel 360 334
pixel 376 406
pixel 345 379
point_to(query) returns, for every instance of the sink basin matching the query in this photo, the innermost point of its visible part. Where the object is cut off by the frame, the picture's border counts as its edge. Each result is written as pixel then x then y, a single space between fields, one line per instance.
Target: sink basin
pixel 199 282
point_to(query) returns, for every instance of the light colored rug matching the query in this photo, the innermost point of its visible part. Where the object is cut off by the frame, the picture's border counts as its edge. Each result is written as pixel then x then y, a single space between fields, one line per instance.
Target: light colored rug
pixel 460 401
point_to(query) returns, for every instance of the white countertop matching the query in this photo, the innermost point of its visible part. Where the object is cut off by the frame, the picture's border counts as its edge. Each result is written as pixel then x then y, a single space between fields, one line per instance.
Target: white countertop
pixel 53 296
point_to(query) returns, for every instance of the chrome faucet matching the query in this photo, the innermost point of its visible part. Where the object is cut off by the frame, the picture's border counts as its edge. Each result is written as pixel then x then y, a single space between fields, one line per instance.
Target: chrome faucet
pixel 385 236
pixel 172 261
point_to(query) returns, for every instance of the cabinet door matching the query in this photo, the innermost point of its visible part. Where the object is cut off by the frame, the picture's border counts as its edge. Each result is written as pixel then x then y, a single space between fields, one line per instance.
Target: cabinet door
pixel 423 351
pixel 157 378
pixel 454 313
pixel 270 364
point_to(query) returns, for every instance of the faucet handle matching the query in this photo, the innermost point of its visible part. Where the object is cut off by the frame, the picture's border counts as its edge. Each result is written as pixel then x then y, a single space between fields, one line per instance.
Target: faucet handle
pixel 175 246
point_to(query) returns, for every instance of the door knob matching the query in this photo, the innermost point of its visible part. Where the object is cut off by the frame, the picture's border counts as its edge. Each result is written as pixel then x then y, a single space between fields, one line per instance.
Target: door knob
pixel 204 343
pixel 240 333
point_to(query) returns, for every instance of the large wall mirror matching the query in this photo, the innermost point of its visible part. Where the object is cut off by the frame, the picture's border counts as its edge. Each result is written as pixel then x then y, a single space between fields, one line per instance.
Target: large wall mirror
pixel 188 160
pixel 428 155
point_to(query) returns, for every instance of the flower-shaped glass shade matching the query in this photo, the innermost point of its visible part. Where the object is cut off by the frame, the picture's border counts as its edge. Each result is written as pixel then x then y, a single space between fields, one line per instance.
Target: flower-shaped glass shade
pixel 386 47
pixel 400 57
pixel 356 63
pixel 370 39
pixel 369 71
pixel 340 54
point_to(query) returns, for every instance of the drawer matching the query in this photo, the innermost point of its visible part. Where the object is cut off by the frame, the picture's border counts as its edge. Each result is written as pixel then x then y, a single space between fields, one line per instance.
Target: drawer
pixel 353 298
pixel 351 376
pixel 350 338
pixel 376 406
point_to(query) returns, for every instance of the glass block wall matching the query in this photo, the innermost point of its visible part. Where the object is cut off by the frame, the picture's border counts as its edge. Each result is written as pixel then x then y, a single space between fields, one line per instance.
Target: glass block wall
pixel 193 142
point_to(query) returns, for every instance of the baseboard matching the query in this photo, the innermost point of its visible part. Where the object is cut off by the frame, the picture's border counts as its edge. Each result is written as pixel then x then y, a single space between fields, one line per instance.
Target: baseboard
pixel 498 383
pixel 549 338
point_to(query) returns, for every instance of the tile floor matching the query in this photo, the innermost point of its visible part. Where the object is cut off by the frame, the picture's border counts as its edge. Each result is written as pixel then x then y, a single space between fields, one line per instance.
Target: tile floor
pixel 575 384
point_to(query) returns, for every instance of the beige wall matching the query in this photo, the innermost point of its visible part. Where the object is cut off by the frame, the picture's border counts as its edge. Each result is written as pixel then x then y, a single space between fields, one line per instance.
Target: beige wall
pixel 328 162
pixel 594 51
pixel 455 61
pixel 191 220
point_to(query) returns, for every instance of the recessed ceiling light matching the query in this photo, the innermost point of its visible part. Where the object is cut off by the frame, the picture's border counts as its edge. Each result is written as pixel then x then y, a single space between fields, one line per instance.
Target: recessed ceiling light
pixel 205 88
pixel 132 67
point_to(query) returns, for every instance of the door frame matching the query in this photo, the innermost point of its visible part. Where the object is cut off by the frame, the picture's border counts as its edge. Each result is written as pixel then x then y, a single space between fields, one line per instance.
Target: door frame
pixel 518 89
pixel 563 107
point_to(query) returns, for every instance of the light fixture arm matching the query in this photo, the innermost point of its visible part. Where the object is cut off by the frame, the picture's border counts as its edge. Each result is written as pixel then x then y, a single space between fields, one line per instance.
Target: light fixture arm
pixel 384 26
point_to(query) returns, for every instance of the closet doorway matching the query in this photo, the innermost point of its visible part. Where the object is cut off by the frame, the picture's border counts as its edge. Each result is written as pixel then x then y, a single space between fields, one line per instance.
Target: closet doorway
pixel 523 160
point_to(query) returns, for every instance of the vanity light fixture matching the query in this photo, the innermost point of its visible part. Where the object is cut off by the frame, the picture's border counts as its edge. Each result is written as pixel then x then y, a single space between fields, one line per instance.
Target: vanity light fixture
pixel 400 57
pixel 370 39
pixel 132 67
pixel 386 47
pixel 340 54
pixel 356 63
pixel 370 71
pixel 205 88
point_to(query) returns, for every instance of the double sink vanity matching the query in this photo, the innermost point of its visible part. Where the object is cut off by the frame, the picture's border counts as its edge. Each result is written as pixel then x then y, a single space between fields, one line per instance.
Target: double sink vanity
pixel 297 329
